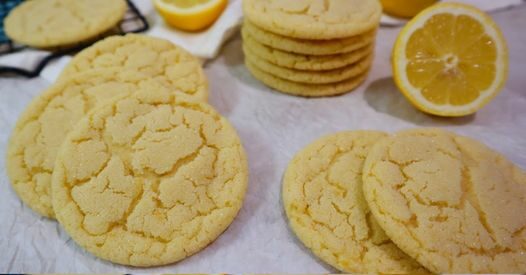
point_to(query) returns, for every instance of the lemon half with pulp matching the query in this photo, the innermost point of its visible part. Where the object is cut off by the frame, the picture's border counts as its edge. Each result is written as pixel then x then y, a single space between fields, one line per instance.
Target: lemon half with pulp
pixel 190 15
pixel 450 60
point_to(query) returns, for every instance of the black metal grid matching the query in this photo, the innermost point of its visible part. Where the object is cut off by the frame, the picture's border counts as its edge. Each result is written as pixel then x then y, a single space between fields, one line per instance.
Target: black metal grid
pixel 133 22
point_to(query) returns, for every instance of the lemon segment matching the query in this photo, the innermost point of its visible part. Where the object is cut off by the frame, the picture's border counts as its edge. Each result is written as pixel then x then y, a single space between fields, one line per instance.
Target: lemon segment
pixel 190 15
pixel 450 60
pixel 405 8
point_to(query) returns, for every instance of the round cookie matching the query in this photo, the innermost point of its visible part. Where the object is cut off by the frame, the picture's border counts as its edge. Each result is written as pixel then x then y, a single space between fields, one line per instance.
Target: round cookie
pixel 304 62
pixel 158 58
pixel 309 47
pixel 55 23
pixel 44 124
pixel 448 201
pixel 149 179
pixel 314 19
pixel 310 77
pixel 306 90
pixel 323 199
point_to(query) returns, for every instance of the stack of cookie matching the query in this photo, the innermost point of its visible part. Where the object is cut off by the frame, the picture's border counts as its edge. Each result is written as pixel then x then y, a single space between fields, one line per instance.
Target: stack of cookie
pixel 310 48
pixel 418 200
pixel 127 155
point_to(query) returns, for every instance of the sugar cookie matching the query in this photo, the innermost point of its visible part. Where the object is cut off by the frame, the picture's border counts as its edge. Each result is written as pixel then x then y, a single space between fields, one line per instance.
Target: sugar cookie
pixel 306 90
pixel 44 124
pixel 304 62
pixel 310 47
pixel 56 23
pixel 310 77
pixel 448 201
pixel 149 179
pixel 323 199
pixel 158 58
pixel 314 19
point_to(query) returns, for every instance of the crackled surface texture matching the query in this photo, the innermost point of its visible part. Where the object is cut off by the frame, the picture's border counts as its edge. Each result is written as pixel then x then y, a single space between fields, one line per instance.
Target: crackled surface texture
pixel 304 62
pixel 323 199
pixel 314 19
pixel 302 89
pixel 310 77
pixel 46 122
pixel 310 47
pixel 53 23
pixel 158 58
pixel 449 201
pixel 149 179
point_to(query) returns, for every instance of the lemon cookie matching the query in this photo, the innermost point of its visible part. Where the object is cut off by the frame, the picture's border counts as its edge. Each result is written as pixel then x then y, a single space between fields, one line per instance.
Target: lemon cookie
pixel 55 23
pixel 149 179
pixel 44 124
pixel 314 19
pixel 323 199
pixel 158 58
pixel 448 201
pixel 310 47
pixel 310 77
pixel 302 89
pixel 304 62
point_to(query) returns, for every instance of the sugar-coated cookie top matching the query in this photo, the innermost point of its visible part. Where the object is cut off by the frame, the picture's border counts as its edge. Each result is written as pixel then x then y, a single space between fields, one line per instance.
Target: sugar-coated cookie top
pixel 449 201
pixel 149 179
pixel 322 196
pixel 314 19
pixel 45 123
pixel 53 23
pixel 160 59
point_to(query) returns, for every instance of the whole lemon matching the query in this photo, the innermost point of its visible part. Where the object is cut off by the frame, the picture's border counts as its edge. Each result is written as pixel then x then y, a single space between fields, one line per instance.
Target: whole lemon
pixel 405 8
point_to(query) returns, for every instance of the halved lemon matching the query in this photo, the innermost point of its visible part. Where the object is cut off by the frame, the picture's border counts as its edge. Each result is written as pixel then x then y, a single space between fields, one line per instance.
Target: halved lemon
pixel 450 60
pixel 190 15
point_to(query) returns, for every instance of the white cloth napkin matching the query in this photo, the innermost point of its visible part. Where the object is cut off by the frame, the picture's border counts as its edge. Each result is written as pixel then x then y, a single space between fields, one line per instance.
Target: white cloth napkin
pixel 485 5
pixel 205 45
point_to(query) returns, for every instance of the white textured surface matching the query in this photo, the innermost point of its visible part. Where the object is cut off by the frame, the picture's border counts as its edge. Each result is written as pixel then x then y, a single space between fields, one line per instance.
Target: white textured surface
pixel 273 127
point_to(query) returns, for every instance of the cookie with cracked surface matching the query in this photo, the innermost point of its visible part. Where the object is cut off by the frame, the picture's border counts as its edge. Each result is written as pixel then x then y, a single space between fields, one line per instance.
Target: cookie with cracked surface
pixel 160 59
pixel 448 201
pixel 310 77
pixel 149 179
pixel 304 62
pixel 302 89
pixel 66 22
pixel 309 47
pixel 314 19
pixel 323 199
pixel 44 124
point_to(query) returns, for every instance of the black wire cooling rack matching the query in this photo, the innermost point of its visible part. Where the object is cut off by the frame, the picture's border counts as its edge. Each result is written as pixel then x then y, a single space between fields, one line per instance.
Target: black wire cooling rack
pixel 133 22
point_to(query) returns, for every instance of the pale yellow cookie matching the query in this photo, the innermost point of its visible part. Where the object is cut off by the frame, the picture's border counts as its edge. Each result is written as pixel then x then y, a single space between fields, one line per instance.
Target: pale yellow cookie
pixel 304 62
pixel 158 58
pixel 44 124
pixel 302 89
pixel 310 47
pixel 149 179
pixel 448 201
pixel 314 19
pixel 323 199
pixel 55 23
pixel 310 77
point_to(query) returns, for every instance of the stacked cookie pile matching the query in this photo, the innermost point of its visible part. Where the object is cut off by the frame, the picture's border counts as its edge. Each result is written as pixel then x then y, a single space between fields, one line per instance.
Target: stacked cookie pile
pixel 310 48
pixel 127 155
pixel 417 200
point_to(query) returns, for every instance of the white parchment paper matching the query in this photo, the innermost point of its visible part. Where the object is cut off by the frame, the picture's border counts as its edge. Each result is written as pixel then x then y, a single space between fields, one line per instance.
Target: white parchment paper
pixel 273 128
